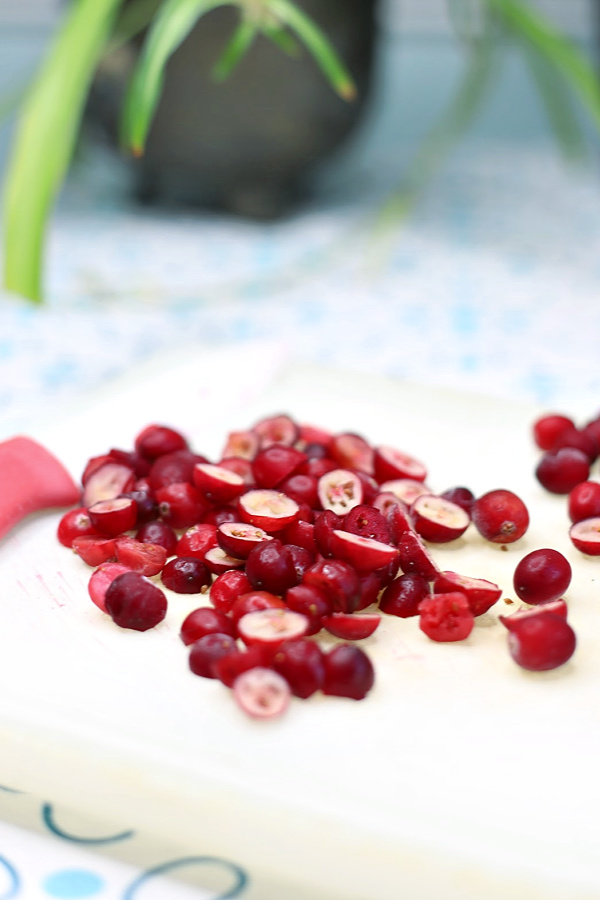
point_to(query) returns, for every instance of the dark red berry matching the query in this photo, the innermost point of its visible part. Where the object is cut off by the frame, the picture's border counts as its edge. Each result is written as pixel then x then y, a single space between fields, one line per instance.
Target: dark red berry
pixel 559 471
pixel 403 596
pixel 207 651
pixel 302 665
pixel 186 575
pixel 541 576
pixel 348 672
pixel 500 516
pixel 132 601
pixel 540 642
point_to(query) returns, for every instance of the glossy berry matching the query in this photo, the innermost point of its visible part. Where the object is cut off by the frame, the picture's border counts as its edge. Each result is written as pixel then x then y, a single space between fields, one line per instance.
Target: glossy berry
pixel 403 596
pixel 100 579
pixel 462 496
pixel 73 524
pixel 500 516
pixel 302 665
pixel 559 471
pixel 186 575
pixel 585 535
pixel 348 672
pixel 144 558
pixel 548 428
pixel 446 617
pixel 207 650
pixel 270 567
pixel 584 501
pixel 481 594
pixel 132 601
pixel 540 642
pixel 226 588
pixel 205 620
pixel 158 532
pixel 541 576
pixel 156 440
pixel 338 580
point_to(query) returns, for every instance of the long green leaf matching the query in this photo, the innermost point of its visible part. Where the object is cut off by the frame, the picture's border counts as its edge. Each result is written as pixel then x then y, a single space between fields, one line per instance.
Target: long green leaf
pixel 46 137
pixel 241 41
pixel 173 22
pixel 317 44
pixel 533 28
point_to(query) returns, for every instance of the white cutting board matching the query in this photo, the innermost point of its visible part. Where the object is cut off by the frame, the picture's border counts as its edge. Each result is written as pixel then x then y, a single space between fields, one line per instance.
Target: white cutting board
pixel 460 777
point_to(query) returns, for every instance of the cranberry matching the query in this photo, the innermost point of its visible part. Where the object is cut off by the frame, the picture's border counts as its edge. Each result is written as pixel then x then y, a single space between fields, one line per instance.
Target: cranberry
pixel 302 665
pixel 139 464
pixel 584 501
pixel 181 505
pixel 73 524
pixel 405 489
pixel 500 516
pixel 316 466
pixel 197 540
pixel 254 600
pixel 559 471
pixel 228 667
pixel 396 514
pixel 220 515
pixel 267 509
pixel 100 580
pixel 325 524
pixel 280 429
pixel 302 489
pixel 348 672
pixel 351 451
pixel 462 496
pixel 549 427
pixel 312 602
pixel 351 627
pixel 438 520
pixel 219 562
pixel 239 538
pixel 132 601
pixel 302 558
pixel 94 550
pixel 241 467
pixel 540 642
pixel 314 435
pixel 186 575
pixel 270 627
pixel 302 534
pixel 391 464
pixel 403 596
pixel 109 480
pixel 158 532
pixel 205 620
pixel 339 491
pixel 415 557
pixel 173 468
pixel 147 559
pixel 274 463
pixel 585 535
pixel 580 440
pixel 240 444
pixel 446 617
pixel 227 587
pixel 207 651
pixel 270 566
pixel 481 595
pixel 338 580
pixel 367 521
pixel 363 553
pixel 156 440
pixel 262 693
pixel 113 517
pixel 541 576
pixel 145 502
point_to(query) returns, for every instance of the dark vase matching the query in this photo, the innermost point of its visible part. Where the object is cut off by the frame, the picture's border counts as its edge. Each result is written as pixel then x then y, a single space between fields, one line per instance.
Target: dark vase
pixel 248 145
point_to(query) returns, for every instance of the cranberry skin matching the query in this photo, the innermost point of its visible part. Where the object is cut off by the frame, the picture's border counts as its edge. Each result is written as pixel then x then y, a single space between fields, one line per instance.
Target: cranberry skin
pixel 541 576
pixel 403 596
pixel 549 427
pixel 156 440
pixel 446 617
pixel 143 558
pixel 302 489
pixel 462 496
pixel 205 620
pixel 173 468
pixel 325 524
pixel 584 501
pixel 302 534
pixel 252 601
pixel 181 505
pixel 301 662
pixel 270 566
pixel 132 601
pixel 220 515
pixel 186 575
pixel 158 532
pixel 274 463
pixel 348 672
pixel 581 440
pixel 75 523
pixel 559 471
pixel 94 550
pixel 197 540
pixel 207 651
pixel 226 588
pixel 500 516
pixel 340 582
pixel 369 522
pixel 228 667
pixel 312 602
pixel 542 642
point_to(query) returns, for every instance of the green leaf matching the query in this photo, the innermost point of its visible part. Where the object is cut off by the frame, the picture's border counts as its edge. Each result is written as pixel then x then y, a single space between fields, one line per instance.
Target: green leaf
pixel 317 44
pixel 534 29
pixel 46 137
pixel 241 41
pixel 173 22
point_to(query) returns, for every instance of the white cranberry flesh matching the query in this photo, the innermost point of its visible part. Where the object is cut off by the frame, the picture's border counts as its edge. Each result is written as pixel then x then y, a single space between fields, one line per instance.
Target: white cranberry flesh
pixel 219 484
pixel 113 517
pixel 107 482
pixel 405 489
pixel 267 509
pixel 272 626
pixel 391 463
pixel 262 693
pixel 438 520
pixel 365 554
pixel 238 538
pixel 339 491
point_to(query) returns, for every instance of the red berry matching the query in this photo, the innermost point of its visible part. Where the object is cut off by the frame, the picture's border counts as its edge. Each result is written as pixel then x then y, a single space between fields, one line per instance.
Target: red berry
pixel 217 483
pixel 585 535
pixel 351 451
pixel 438 520
pixel 559 471
pixel 541 576
pixel 540 642
pixel 101 579
pixel 548 428
pixel 254 600
pixel 228 667
pixel 180 504
pixel 392 464
pixel 348 672
pixel 197 540
pixel 462 496
pixel 156 440
pixel 481 595
pixel 270 627
pixel 446 617
pixel 227 587
pixel 414 556
pixel 146 559
pixel 270 567
pixel 239 538
pixel 132 601
pixel 369 522
pixel 113 517
pixel 584 501
pixel 94 550
pixel 262 693
pixel 109 480
pixel 268 509
pixel 158 532
pixel 363 553
pixel 207 651
pixel 186 575
pixel 500 516
pixel 173 468
pixel 312 602
pixel 205 620
pixel 302 665
pixel 339 491
pixel 279 429
pixel 351 627
pixel 338 580
pixel 274 463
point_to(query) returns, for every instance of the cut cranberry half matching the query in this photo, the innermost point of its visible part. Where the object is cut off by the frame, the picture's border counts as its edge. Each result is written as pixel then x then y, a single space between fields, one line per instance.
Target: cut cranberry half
pixel 271 626
pixel 438 520
pixel 280 429
pixel 348 672
pixel 558 607
pixel 446 617
pixel 415 557
pixel 481 594
pixel 197 540
pixel 541 576
pixel 218 561
pixel 500 516
pixel 94 550
pixel 585 535
pixel 107 482
pixel 396 514
pixel 540 642
pixel 240 444
pixel 352 451
pixel 143 558
pixel 351 627
pixel 338 580
pixel 133 601
pixel 274 463
pixel 339 491
pixel 252 601
pixel 262 693
pixel 267 509
pixel 217 483
pixel 391 464
pixel 239 538
pixel 101 579
pixel 369 522
pixel 405 489
pixel 113 517
pixel 363 553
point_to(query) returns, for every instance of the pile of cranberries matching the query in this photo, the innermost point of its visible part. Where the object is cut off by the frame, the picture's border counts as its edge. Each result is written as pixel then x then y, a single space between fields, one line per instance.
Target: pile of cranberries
pixel 294 533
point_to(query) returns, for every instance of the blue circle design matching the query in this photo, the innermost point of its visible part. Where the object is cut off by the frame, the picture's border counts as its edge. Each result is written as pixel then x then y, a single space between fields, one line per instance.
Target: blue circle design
pixel 48 818
pixel 15 884
pixel 73 884
pixel 240 876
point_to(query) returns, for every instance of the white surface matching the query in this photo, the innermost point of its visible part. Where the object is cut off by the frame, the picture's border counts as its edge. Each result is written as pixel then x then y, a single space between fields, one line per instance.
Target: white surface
pixel 457 758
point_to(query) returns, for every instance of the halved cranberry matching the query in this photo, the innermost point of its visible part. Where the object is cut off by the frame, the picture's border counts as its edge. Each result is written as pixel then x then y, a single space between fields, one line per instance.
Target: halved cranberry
pixel 446 617
pixel 197 540
pixel 240 444
pixel 241 467
pixel 218 561
pixel 542 575
pixel 280 429
pixel 559 471
pixel 404 594
pixel 158 532
pixel 217 483
pixel 339 491
pixel 108 481
pixel 186 575
pixel 271 627
pixel 405 489
pixel 585 535
pixel 228 667
pixel 113 517
pixel 415 557
pixel 274 463
pixel 317 466
pixel 132 601
pixel 396 514
pixel 181 505
pixel 156 440
pixel 312 602
pixel 205 620
pixel 351 627
pixel 302 534
pixel 540 642
pixel 500 516
pixel 438 520
pixel 267 509
pixel 325 524
pixel 73 524
pixel 391 464
pixel 227 587
pixel 352 451
pixel 207 651
pixel 173 468
pixel 558 607
pixel 239 538
pixel 139 464
pixel 145 502
pixel 143 558
pixel 254 600
pixel 94 550
pixel 481 595
pixel 262 693
pixel 338 580
pixel 101 579
pixel 301 663
pixel 313 434
pixel 348 672
pixel 363 553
